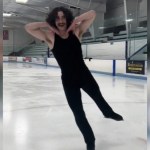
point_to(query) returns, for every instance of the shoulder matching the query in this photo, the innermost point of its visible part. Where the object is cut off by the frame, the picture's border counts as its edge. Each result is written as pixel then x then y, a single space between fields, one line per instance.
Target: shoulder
pixel 50 34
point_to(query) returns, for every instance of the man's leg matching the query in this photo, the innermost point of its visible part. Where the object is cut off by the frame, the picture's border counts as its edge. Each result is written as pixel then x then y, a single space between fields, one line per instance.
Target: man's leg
pixel 73 96
pixel 92 89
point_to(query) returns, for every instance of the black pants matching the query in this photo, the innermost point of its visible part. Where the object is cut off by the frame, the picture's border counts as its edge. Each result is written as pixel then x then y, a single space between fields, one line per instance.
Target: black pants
pixel 73 95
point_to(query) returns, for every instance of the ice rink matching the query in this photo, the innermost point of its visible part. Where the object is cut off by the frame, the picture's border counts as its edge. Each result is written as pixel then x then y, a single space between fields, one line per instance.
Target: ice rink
pixel 37 116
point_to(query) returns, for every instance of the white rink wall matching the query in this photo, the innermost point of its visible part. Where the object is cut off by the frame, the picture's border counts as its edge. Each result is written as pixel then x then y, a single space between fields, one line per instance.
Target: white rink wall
pixel 107 51
pixel 95 65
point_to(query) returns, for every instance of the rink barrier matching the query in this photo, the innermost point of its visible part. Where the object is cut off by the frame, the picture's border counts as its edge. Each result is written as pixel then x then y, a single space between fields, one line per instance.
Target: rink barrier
pixel 106 67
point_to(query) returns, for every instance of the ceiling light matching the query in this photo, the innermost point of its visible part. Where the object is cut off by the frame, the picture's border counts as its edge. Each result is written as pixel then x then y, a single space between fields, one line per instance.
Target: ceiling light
pixel 7 14
pixel 4 26
pixel 129 20
pixel 140 27
pixel 101 27
pixel 21 1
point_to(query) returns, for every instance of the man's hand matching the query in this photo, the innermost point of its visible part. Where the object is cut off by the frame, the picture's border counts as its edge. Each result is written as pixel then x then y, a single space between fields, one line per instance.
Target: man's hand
pixel 73 26
pixel 53 29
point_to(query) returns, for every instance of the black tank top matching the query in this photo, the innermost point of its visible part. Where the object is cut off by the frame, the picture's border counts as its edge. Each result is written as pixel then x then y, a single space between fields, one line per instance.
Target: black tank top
pixel 68 53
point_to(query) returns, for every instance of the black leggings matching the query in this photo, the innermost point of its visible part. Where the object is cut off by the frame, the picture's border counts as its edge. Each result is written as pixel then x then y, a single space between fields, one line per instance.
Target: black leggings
pixel 73 95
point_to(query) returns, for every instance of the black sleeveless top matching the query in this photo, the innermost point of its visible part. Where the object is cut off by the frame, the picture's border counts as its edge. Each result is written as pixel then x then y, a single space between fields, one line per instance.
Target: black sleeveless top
pixel 68 53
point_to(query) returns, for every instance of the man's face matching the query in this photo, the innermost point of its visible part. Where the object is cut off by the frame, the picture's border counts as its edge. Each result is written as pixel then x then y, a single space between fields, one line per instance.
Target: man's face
pixel 61 22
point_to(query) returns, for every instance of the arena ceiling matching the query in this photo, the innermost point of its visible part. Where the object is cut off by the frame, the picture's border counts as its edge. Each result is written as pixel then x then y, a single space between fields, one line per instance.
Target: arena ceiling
pixel 36 10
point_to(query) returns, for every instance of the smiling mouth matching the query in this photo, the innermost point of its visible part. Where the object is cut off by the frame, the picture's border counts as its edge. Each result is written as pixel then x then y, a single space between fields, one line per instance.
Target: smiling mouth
pixel 61 25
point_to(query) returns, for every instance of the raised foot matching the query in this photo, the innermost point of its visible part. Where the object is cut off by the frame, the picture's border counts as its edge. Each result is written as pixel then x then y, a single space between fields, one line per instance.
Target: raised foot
pixel 114 116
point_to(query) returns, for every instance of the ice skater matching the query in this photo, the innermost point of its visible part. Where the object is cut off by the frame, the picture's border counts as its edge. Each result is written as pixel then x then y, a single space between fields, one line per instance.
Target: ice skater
pixel 63 33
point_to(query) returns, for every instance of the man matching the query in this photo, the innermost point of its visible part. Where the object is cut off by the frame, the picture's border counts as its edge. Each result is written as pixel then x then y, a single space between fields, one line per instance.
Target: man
pixel 63 36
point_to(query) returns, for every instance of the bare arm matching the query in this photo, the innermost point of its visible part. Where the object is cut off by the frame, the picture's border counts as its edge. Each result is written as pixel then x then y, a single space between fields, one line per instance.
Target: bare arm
pixel 40 30
pixel 83 22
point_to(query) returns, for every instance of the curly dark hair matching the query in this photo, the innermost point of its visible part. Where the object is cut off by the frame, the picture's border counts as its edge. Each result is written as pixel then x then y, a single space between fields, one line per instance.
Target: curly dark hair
pixel 51 17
